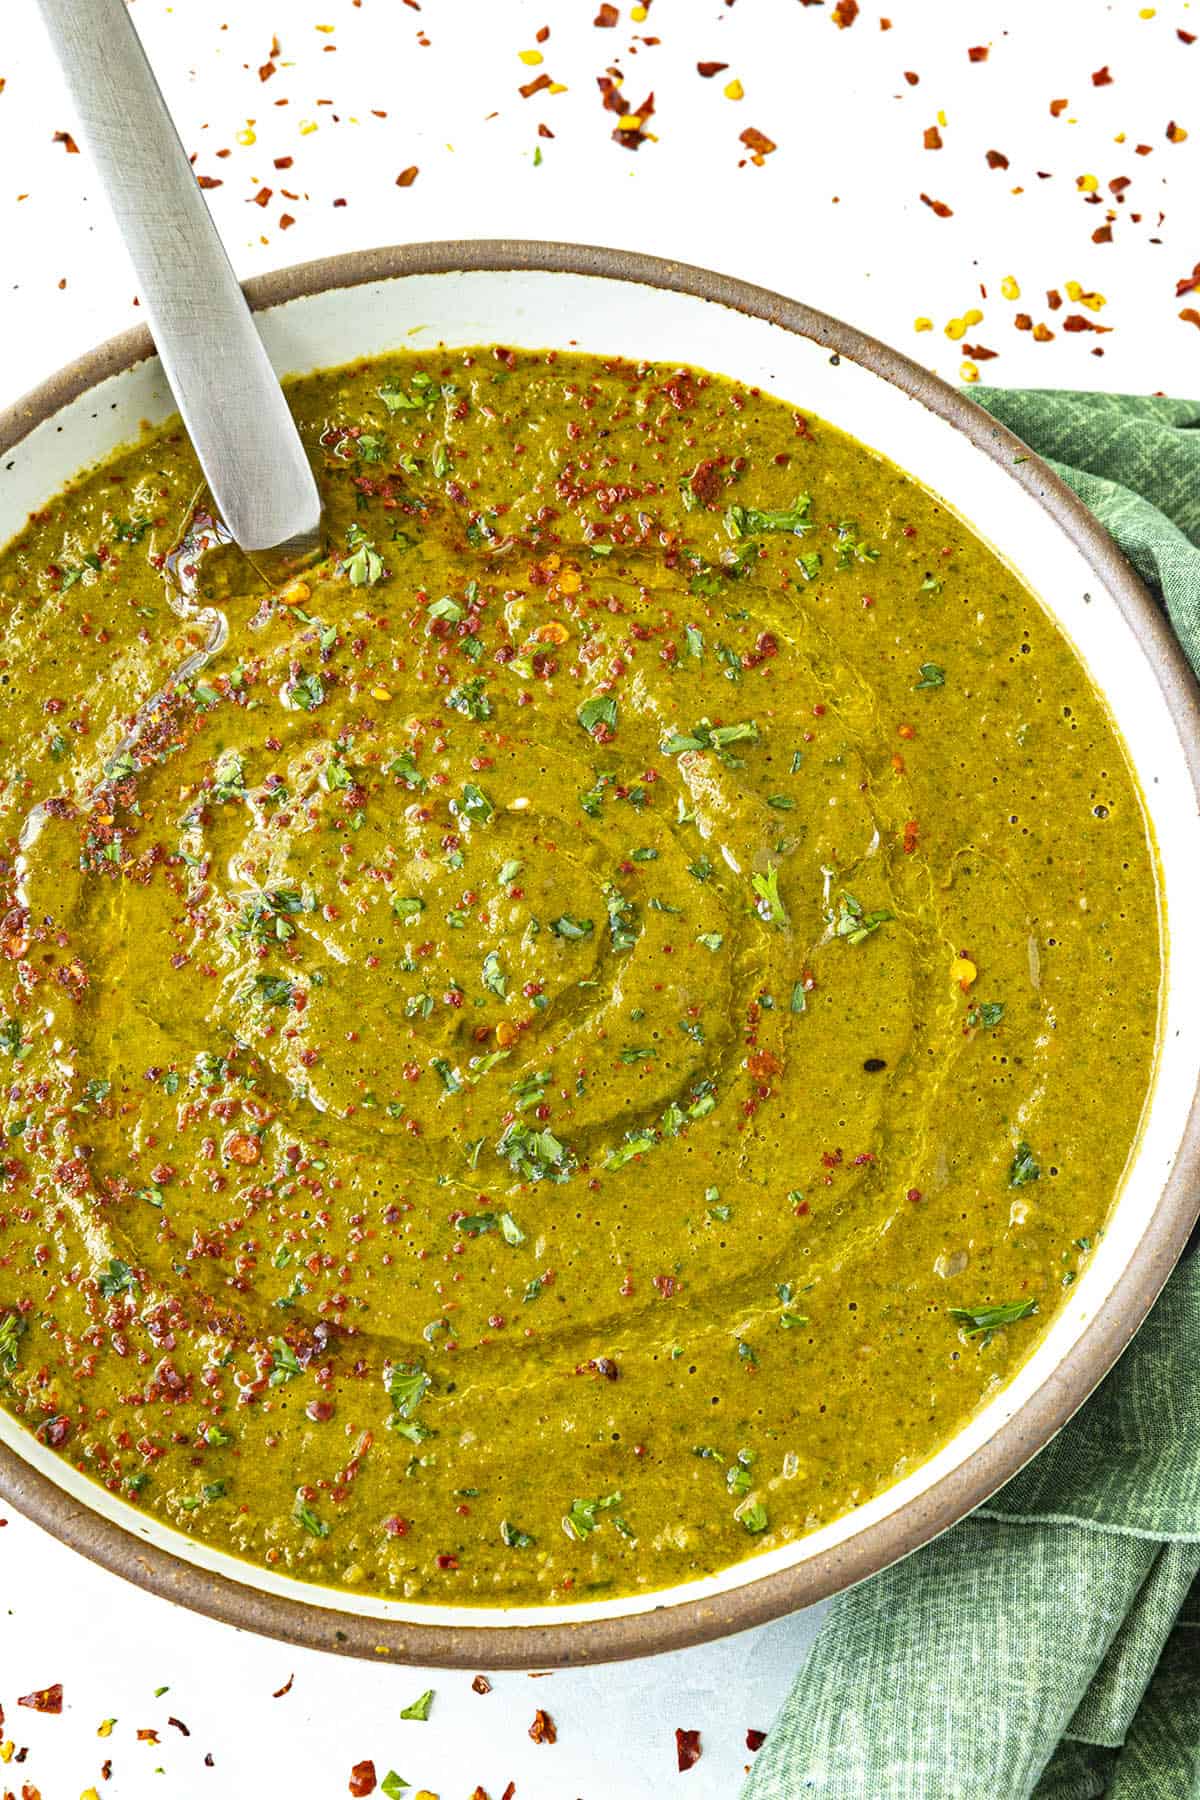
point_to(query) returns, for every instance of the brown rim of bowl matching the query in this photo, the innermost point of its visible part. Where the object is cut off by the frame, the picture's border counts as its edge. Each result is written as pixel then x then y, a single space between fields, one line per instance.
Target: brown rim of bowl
pixel 672 1626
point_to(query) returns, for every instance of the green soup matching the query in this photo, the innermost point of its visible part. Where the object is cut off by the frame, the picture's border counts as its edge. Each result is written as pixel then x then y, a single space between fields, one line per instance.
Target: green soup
pixel 582 1039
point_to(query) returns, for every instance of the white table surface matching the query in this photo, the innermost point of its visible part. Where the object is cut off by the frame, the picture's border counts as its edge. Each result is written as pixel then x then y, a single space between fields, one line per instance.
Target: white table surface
pixel 835 217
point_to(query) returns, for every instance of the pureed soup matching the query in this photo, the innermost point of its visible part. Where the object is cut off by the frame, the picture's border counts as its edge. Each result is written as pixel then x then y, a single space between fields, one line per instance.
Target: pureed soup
pixel 578 1041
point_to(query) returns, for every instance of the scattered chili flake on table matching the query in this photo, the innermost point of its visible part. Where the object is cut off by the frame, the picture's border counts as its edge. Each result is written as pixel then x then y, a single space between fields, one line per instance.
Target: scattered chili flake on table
pixel 1057 107
pixel 362 1780
pixel 996 159
pixel 755 1739
pixel 709 69
pixel 285 1689
pixel 758 143
pixel 978 53
pixel 44 1700
pixel 933 138
pixel 938 207
pixel 481 1685
pixel 67 141
pixel 406 177
pixel 607 17
pixel 687 1748
pixel 845 13
pixel 1101 77
pixel 209 181
pixel 1190 314
pixel 543 1730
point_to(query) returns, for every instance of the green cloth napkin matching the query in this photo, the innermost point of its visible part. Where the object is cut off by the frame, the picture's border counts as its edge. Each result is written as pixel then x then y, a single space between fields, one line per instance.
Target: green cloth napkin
pixel 1050 1644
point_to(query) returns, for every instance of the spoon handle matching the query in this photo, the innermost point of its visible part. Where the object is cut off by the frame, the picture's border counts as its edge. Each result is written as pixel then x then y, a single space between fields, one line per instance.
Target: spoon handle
pixel 226 389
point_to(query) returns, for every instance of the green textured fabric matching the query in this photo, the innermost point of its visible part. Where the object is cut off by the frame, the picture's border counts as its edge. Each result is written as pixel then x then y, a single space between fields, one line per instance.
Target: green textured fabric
pixel 1049 1645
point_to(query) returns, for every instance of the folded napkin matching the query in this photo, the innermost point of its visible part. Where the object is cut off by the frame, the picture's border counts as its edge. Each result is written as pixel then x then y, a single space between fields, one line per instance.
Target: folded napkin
pixel 1049 1645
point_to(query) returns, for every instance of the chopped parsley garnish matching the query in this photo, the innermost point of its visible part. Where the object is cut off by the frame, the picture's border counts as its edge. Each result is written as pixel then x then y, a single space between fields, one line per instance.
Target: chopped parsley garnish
pixel 423 394
pixel 308 1520
pixel 535 1155
pixel 622 925
pixel 471 699
pixel 601 709
pixel 931 676
pixel 475 804
pixel 494 978
pixel 118 1278
pixel 768 903
pixel 988 1014
pixel 749 521
pixel 364 565
pixel 420 1707
pixel 513 1537
pixel 854 925
pixel 581 1519
pixel 567 927
pixel 983 1321
pixel 1023 1168
pixel 407 1385
pixel 306 691
pixel 707 736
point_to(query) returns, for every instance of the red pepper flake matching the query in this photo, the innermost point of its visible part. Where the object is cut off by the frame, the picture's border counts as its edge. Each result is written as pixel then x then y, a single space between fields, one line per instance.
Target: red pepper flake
pixel 1053 299
pixel 285 1689
pixel 1077 322
pixel 265 71
pixel 534 87
pixel 755 1739
pixel 845 13
pixel 978 53
pixel 1042 334
pixel 1185 37
pixel 543 1730
pixel 263 196
pixel 284 162
pixel 607 17
pixel 1057 107
pixel 406 177
pixel 1190 314
pixel 938 207
pixel 1101 77
pixel 67 141
pixel 687 1749
pixel 178 1724
pixel 758 143
pixel 1102 234
pixel 1176 133
pixel 362 1780
pixel 509 1792
pixel 911 76
pixel 286 221
pixel 481 1685
pixel 147 1735
pixel 709 69
pixel 996 159
pixel 933 138
pixel 209 181
pixel 980 352
pixel 44 1700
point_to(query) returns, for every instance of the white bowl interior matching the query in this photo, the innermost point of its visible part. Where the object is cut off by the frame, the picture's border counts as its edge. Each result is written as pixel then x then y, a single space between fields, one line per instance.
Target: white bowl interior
pixel 535 309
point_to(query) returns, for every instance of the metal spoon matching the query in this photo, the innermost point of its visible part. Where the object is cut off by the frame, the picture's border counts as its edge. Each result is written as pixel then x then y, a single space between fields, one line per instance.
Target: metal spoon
pixel 214 359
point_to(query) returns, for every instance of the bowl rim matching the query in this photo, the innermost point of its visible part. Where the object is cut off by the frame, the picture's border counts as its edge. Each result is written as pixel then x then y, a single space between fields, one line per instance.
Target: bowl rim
pixel 670 1626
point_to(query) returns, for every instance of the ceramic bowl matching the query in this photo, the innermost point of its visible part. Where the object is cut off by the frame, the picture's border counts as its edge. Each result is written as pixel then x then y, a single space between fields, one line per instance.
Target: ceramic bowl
pixel 539 295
